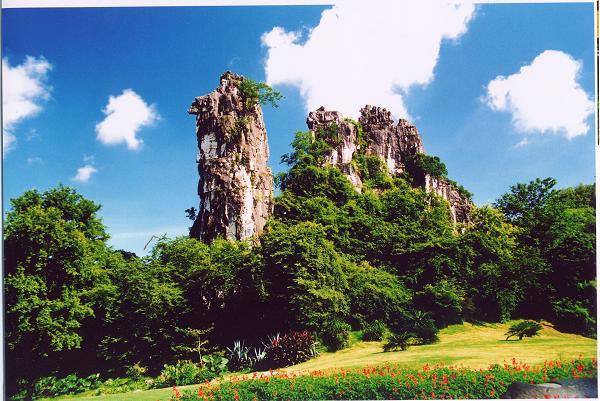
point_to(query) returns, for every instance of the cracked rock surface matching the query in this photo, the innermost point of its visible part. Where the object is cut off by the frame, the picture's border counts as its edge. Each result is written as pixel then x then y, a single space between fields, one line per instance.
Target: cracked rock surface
pixel 236 185
pixel 393 143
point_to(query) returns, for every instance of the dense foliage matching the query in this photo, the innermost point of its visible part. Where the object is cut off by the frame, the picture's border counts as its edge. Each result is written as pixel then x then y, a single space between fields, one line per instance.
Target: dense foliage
pixel 557 244
pixel 390 383
pixel 53 386
pixel 331 259
pixel 291 348
pixel 373 331
pixel 421 164
pixel 336 335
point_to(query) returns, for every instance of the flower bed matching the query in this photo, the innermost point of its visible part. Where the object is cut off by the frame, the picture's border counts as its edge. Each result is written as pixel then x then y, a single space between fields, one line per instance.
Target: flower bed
pixel 388 382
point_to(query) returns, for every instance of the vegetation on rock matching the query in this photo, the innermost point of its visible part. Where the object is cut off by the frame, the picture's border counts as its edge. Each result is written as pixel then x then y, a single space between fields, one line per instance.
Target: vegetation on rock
pixel 255 92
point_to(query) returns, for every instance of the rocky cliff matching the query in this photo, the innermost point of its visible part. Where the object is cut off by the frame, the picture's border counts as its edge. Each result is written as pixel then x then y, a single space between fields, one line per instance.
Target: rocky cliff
pixel 235 185
pixel 375 134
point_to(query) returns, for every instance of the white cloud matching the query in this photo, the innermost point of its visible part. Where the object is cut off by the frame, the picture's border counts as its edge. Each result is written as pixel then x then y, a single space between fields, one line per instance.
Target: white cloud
pixel 544 96
pixel 31 161
pixel 23 90
pixel 84 173
pixel 365 52
pixel 522 143
pixel 33 134
pixel 8 141
pixel 126 114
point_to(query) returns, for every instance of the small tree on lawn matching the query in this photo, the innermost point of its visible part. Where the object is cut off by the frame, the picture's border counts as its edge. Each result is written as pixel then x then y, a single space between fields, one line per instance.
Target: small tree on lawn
pixel 527 328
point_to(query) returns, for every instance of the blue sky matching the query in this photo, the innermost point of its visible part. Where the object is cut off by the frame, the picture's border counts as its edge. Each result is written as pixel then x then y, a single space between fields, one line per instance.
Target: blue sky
pixel 490 136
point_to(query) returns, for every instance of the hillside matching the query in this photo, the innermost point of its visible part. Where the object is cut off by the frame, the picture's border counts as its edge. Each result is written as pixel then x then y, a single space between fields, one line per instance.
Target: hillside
pixel 468 345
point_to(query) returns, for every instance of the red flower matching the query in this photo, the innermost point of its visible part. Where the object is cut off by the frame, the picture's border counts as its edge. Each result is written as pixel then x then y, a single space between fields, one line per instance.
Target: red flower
pixel 176 393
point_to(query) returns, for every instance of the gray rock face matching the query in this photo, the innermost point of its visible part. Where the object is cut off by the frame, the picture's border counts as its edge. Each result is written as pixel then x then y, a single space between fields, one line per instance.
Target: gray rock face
pixel 393 143
pixel 235 185
pixel 344 147
pixel 460 206
pixel 582 388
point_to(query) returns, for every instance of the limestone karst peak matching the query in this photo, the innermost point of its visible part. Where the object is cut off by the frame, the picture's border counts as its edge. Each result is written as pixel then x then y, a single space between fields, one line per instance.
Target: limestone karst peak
pixel 395 144
pixel 235 185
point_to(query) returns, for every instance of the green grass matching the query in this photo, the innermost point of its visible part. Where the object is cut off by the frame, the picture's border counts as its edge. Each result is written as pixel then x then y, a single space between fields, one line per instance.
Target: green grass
pixel 162 394
pixel 473 346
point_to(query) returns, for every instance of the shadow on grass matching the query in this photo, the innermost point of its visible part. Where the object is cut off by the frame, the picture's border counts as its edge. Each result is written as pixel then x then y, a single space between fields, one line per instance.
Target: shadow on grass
pixel 480 323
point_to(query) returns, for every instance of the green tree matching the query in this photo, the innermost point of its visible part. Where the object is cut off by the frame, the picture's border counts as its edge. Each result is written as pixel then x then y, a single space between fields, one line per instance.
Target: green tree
pixel 525 202
pixel 527 328
pixel 557 249
pixel 53 278
pixel 444 299
pixel 421 164
pixel 374 294
pixel 304 276
pixel 488 248
pixel 142 319
pixel 221 284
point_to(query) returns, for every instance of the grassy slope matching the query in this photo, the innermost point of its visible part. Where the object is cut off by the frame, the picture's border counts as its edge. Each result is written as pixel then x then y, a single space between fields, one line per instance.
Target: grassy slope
pixel 466 345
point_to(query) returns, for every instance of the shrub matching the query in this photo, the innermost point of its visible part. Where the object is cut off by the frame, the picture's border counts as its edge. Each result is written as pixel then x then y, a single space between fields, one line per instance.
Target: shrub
pixel 259 358
pixel 374 331
pixel 336 335
pixel 290 349
pixel 242 357
pixel 527 328
pixel 135 371
pixel 183 373
pixel 52 386
pixel 399 341
pixel 423 327
pixel 417 322
pixel 372 170
pixel 330 133
pixel 256 92
pixel 215 363
pixel 239 357
pixel 123 385
pixel 421 163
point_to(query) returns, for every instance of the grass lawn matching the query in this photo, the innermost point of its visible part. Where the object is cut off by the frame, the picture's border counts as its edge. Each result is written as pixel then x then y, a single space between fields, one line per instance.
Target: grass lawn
pixel 473 346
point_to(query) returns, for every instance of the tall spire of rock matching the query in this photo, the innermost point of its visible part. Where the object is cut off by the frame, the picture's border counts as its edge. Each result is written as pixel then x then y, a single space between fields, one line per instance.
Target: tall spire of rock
pixel 235 185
